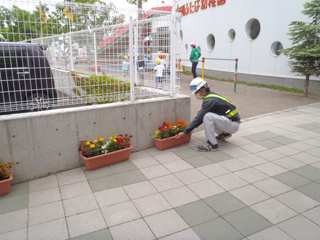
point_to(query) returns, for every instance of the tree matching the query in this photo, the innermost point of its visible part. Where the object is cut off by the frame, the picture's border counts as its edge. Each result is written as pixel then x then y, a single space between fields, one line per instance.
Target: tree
pixel 304 55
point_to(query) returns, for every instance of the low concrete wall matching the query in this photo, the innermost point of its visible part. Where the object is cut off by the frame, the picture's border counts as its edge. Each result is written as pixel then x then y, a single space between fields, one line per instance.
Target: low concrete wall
pixel 314 84
pixel 43 143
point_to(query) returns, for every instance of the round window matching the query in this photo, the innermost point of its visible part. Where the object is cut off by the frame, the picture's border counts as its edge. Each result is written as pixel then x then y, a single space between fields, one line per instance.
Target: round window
pixel 186 48
pixel 199 48
pixel 252 29
pixel 211 42
pixel 231 35
pixel 181 36
pixel 275 47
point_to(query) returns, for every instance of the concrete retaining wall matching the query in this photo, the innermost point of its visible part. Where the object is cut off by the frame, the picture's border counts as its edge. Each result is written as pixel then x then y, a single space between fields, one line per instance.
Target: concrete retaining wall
pixel 44 143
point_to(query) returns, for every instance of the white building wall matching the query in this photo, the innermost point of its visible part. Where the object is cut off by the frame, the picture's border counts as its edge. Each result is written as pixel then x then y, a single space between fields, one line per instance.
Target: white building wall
pixel 254 55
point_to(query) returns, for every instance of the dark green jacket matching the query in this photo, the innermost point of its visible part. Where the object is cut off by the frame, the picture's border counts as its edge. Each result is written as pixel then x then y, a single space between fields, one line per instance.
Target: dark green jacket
pixel 195 54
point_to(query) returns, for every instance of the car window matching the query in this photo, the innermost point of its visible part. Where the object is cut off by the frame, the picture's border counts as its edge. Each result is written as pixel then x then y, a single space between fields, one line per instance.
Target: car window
pixel 13 56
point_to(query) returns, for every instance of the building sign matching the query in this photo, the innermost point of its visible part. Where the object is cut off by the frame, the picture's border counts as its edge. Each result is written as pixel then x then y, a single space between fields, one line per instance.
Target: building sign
pixel 197 5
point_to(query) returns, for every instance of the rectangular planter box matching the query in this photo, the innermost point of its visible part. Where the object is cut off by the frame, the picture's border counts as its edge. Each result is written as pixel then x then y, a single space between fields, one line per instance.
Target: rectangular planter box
pixel 163 144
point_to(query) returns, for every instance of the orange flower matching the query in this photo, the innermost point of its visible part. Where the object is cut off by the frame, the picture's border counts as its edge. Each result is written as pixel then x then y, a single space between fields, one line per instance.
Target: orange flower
pixel 169 123
pixel 186 125
pixel 179 125
pixel 171 126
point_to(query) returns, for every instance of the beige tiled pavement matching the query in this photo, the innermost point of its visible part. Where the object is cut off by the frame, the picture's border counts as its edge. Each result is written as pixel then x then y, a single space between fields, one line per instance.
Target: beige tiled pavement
pixel 263 183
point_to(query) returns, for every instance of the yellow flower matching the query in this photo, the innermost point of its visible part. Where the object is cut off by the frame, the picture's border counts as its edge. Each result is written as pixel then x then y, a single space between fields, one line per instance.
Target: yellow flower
pixel 101 139
pixel 115 140
pixel 111 138
pixel 95 141
pixel 116 135
pixel 88 143
pixel 92 146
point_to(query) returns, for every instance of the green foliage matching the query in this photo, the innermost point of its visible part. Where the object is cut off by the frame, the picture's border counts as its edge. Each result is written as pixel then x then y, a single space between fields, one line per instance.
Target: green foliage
pixel 167 129
pixel 304 55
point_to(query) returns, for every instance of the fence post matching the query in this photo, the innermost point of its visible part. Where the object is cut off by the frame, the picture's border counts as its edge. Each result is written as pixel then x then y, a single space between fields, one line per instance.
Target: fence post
pixel 95 53
pixel 71 53
pixel 202 67
pixel 235 75
pixel 131 66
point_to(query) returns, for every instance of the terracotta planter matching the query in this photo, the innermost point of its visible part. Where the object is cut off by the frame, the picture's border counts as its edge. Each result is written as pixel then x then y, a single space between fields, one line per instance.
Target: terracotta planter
pixel 107 159
pixel 163 144
pixel 5 186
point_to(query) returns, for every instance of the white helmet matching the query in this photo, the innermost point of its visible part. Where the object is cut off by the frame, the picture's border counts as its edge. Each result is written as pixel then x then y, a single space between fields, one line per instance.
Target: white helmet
pixel 196 84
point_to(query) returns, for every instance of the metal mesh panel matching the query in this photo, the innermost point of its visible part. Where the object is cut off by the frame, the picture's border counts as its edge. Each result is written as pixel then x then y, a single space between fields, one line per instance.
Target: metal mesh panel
pixel 66 54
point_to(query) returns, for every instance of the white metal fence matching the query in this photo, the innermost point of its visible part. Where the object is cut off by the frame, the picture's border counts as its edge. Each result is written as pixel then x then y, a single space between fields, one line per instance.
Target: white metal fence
pixel 84 54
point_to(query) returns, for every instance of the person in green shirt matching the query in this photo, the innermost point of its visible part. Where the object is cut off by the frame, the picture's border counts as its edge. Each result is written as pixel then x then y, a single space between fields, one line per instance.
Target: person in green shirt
pixel 194 57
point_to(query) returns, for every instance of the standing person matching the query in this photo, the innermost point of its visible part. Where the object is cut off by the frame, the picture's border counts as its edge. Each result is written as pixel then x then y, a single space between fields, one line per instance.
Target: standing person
pixel 159 72
pixel 218 115
pixel 194 57
pixel 125 66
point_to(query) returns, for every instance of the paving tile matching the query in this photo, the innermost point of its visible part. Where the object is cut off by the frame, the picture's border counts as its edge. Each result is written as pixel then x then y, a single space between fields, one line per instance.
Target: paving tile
pixel 224 203
pixel 260 136
pixel 122 167
pixel 273 210
pixel 271 169
pixel 253 147
pixel 188 234
pixel 313 215
pixel 84 223
pixel 17 189
pixel 206 188
pixel 72 176
pixel 198 161
pixel 249 194
pixel 43 183
pixel 98 235
pixel 54 230
pixel 120 213
pixel 314 152
pixel 44 197
pixel 177 166
pixel 217 229
pixel 13 203
pixel 271 233
pixel 111 196
pixel 151 204
pixel 305 157
pixel 311 190
pixel 309 172
pixel 75 190
pixel 145 162
pixel 139 154
pixel 233 165
pixel 21 234
pixel 270 155
pixel 297 201
pixel 229 181
pixel 286 151
pixel 131 177
pixel 103 183
pixel 155 171
pixel 218 156
pixel 247 221
pixel 13 221
pixel 135 230
pixel 284 140
pixel 180 196
pixel 196 213
pixel 97 173
pixel 166 183
pixel 308 126
pixel 301 146
pixel 237 152
pixel 316 165
pixel 251 175
pixel 167 157
pixel 289 163
pixel 141 189
pixel 73 206
pixel 292 179
pixel 191 176
pixel 269 144
pixel 213 170
pixel 252 160
pixel 155 151
pixel 312 141
pixel 165 223
pixel 272 187
pixel 186 153
pixel 300 228
pixel 45 213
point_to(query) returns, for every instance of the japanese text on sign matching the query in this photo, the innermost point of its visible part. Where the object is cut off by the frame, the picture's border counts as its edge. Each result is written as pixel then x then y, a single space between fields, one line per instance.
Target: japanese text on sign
pixel 199 4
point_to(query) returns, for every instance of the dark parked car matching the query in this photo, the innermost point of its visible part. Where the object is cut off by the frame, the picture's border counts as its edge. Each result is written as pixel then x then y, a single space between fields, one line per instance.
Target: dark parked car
pixel 26 81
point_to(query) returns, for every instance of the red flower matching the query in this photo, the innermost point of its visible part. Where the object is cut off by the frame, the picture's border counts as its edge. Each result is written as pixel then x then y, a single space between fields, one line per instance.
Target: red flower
pixel 120 140
pixel 164 124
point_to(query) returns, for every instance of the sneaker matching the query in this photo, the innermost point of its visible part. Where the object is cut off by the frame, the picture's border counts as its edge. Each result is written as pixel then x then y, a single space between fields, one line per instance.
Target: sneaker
pixel 223 136
pixel 208 147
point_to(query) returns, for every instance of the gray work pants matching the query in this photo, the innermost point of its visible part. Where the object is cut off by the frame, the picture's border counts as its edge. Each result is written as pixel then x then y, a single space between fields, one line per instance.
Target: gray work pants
pixel 216 124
